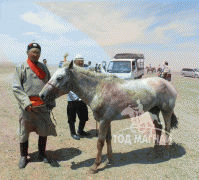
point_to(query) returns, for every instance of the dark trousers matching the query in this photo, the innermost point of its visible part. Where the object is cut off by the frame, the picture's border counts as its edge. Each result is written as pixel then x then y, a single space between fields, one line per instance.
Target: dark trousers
pixel 79 108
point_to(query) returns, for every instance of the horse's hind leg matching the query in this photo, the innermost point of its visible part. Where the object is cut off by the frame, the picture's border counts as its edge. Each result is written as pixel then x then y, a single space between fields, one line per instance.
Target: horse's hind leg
pixel 100 144
pixel 167 119
pixel 158 127
pixel 109 146
pixel 158 130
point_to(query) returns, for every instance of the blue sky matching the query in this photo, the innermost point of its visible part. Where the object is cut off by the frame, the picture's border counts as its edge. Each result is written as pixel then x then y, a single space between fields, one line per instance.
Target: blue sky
pixel 25 21
pixel 161 30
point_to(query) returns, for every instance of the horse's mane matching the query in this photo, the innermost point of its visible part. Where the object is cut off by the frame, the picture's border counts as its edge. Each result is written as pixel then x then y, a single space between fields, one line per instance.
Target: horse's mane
pixel 91 74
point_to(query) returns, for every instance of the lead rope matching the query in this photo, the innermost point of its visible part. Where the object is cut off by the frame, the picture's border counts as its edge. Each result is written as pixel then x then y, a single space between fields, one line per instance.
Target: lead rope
pixel 53 117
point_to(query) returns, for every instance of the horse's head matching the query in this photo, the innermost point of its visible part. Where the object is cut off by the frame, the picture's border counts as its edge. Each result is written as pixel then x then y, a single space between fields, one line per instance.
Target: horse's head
pixel 58 85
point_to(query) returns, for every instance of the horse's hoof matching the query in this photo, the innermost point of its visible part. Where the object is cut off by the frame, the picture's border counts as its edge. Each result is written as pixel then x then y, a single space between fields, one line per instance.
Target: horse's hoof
pixel 110 162
pixel 93 171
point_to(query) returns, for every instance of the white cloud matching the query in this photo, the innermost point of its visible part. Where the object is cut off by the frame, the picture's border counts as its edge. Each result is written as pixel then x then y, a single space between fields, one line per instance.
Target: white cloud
pixel 48 22
pixel 12 48
pixel 109 25
pixel 63 40
pixel 184 28
pixel 30 33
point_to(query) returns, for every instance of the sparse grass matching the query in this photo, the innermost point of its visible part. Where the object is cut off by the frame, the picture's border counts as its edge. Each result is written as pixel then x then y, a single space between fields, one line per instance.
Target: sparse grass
pixel 75 157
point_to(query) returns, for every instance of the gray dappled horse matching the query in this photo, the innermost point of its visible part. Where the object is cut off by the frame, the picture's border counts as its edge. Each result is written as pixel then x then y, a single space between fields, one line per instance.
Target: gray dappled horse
pixel 108 96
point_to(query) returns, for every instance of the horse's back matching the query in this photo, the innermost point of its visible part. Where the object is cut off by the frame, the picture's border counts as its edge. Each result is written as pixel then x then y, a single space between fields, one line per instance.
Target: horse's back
pixel 157 89
pixel 166 92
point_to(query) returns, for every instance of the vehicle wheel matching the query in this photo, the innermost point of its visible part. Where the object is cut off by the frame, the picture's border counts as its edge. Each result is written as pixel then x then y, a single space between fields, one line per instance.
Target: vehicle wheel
pixel 183 75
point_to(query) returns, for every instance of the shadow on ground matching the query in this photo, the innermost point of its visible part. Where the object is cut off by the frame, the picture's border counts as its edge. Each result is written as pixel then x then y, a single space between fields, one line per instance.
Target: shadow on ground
pixel 93 133
pixel 55 157
pixel 138 156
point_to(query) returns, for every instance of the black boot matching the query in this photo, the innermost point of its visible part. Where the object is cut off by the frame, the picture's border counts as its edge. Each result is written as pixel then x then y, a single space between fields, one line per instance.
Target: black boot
pixel 24 153
pixel 42 149
pixel 72 131
pixel 81 131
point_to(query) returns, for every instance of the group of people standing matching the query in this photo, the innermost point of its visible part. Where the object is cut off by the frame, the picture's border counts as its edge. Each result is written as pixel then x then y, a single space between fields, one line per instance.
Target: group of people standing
pixel 29 79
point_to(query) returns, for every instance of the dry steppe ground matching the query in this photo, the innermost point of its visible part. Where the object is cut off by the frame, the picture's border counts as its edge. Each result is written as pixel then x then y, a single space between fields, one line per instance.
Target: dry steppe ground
pixel 71 159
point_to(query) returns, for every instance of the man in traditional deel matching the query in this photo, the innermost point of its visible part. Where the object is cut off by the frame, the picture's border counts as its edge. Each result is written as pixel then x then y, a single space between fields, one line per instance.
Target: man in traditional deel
pixel 29 79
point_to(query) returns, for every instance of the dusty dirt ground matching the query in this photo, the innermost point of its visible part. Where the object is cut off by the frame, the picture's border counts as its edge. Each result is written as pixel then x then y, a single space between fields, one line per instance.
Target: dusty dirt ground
pixel 71 159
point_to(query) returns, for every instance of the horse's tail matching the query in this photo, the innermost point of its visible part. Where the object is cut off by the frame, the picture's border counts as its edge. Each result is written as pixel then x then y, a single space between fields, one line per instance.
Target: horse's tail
pixel 174 121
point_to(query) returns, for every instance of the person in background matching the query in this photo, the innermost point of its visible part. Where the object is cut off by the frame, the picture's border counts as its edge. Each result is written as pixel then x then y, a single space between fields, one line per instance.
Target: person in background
pixel 90 66
pixel 45 62
pixel 77 106
pixel 133 65
pixel 166 69
pixel 89 63
pixel 29 79
pixel 159 69
pixel 65 57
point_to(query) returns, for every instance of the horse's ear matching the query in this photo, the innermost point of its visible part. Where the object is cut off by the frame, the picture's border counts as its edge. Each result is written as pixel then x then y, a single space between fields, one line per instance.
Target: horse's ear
pixel 70 65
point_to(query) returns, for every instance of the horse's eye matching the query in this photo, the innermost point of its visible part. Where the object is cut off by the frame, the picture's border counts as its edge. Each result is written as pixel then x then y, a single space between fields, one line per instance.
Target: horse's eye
pixel 59 78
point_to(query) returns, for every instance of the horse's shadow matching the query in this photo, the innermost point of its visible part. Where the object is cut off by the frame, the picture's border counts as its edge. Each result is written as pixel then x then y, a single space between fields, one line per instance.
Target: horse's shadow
pixel 55 157
pixel 93 133
pixel 138 156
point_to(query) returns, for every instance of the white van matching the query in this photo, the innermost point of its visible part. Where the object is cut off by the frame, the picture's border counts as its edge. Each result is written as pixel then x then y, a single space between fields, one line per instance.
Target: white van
pixel 127 66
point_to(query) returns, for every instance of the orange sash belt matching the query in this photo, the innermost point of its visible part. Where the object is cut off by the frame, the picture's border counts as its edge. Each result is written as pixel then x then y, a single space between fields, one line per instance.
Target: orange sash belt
pixel 36 101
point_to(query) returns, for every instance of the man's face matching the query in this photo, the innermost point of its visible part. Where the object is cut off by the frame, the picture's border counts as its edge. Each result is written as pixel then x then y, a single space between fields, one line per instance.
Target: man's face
pixel 79 63
pixel 34 54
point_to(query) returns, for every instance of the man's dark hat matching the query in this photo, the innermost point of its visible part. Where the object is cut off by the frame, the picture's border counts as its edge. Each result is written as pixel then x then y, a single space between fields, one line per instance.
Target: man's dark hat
pixel 33 45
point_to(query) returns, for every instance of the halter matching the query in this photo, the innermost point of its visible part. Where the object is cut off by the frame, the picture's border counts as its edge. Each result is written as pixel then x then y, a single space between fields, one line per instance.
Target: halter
pixel 67 84
pixel 54 87
pixel 51 84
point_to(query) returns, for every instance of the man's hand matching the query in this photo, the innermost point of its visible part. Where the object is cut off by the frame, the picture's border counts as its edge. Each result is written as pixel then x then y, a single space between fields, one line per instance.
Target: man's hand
pixel 29 108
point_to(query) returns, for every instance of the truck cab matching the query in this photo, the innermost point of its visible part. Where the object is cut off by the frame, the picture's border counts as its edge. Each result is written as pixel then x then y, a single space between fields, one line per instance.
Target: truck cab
pixel 127 66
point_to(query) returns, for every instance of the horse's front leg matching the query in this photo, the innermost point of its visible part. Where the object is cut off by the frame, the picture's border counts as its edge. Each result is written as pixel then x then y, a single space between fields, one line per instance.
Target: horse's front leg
pixel 100 144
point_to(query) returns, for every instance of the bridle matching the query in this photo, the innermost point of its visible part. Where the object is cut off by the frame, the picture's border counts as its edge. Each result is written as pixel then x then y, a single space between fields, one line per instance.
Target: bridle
pixel 54 87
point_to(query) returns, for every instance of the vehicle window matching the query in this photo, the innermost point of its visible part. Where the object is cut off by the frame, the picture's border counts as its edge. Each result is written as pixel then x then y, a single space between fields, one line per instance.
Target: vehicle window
pixel 119 67
pixel 110 66
pixel 140 64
